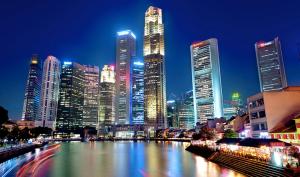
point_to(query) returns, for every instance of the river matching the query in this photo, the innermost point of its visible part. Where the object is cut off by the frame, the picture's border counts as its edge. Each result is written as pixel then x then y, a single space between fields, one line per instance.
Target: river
pixel 114 159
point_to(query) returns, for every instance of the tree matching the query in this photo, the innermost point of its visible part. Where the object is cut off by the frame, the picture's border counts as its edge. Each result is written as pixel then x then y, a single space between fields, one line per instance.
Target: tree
pixel 3 115
pixel 205 133
pixel 3 132
pixel 24 134
pixel 230 134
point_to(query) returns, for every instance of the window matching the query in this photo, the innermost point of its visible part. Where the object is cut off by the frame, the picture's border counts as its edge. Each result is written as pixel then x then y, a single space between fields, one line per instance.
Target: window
pixel 262 114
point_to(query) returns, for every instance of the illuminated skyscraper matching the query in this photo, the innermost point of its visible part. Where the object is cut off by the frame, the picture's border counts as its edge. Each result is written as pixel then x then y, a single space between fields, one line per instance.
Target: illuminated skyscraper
pixel 32 92
pixel 206 77
pixel 270 65
pixel 71 98
pixel 137 93
pixel 50 92
pixel 186 111
pixel 107 96
pixel 126 50
pixel 91 96
pixel 154 74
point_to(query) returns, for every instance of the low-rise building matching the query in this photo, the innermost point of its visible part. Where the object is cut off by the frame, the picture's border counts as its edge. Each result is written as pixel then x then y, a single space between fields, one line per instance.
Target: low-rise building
pixel 267 110
pixel 289 130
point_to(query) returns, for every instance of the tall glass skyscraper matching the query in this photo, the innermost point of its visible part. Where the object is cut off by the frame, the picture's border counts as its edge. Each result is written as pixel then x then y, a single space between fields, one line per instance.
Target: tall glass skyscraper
pixel 50 92
pixel 91 96
pixel 71 98
pixel 107 96
pixel 206 77
pixel 126 50
pixel 186 111
pixel 137 93
pixel 32 92
pixel 270 65
pixel 154 74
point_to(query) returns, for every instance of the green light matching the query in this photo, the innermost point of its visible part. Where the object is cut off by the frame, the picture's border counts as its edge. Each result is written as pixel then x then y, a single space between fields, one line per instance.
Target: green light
pixel 235 96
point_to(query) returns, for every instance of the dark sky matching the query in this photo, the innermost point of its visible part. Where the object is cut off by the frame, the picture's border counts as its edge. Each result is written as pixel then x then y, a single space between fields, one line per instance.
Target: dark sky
pixel 85 31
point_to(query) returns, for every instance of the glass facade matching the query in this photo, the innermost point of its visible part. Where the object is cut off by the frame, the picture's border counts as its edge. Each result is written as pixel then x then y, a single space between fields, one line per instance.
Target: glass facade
pixel 126 50
pixel 270 65
pixel 71 98
pixel 91 96
pixel 186 111
pixel 137 93
pixel 32 91
pixel 206 77
pixel 154 74
pixel 50 93
pixel 107 96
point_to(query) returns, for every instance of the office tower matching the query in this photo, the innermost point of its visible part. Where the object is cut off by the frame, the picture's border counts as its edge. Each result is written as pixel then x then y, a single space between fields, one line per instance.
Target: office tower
pixel 107 96
pixel 126 49
pixel 154 73
pixel 71 98
pixel 186 111
pixel 172 113
pixel 206 77
pixel 91 96
pixel 270 65
pixel 137 93
pixel 32 92
pixel 50 92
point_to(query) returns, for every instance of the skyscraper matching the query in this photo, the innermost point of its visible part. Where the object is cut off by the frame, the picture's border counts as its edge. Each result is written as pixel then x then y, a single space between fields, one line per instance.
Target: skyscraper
pixel 206 77
pixel 91 96
pixel 154 74
pixel 107 96
pixel 50 92
pixel 126 50
pixel 71 98
pixel 32 92
pixel 270 65
pixel 137 93
pixel 186 111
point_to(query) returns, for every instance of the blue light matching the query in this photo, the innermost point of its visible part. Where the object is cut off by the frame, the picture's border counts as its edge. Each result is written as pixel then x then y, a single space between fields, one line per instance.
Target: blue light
pixel 138 63
pixel 67 63
pixel 126 32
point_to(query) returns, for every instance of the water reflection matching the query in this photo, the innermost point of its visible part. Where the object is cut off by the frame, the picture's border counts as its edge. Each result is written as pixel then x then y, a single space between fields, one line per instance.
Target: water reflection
pixel 129 159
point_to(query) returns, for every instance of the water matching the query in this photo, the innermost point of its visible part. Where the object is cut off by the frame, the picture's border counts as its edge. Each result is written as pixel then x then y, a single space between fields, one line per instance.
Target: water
pixel 121 159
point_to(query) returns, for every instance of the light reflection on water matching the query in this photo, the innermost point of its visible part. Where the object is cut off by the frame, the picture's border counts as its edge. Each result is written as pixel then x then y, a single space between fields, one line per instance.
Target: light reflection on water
pixel 129 159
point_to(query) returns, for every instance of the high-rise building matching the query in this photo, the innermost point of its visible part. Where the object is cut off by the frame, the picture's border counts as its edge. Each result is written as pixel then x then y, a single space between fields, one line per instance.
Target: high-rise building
pixel 91 96
pixel 270 65
pixel 126 50
pixel 186 111
pixel 107 96
pixel 172 113
pixel 206 77
pixel 50 92
pixel 32 92
pixel 137 93
pixel 154 73
pixel 71 98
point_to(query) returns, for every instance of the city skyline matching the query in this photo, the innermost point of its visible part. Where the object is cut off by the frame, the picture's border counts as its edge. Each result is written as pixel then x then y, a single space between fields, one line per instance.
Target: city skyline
pixel 244 61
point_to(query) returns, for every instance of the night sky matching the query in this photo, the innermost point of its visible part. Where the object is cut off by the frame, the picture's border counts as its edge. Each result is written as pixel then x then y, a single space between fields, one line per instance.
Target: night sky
pixel 85 31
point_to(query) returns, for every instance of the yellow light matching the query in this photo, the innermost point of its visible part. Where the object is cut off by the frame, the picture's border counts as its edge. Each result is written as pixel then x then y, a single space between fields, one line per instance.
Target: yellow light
pixel 34 62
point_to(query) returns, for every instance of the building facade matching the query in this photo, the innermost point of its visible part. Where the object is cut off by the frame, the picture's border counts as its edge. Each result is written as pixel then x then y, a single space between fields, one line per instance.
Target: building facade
pixel 107 96
pixel 71 98
pixel 154 76
pixel 91 96
pixel 269 111
pixel 270 65
pixel 126 50
pixel 206 77
pixel 32 91
pixel 186 111
pixel 50 93
pixel 137 93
